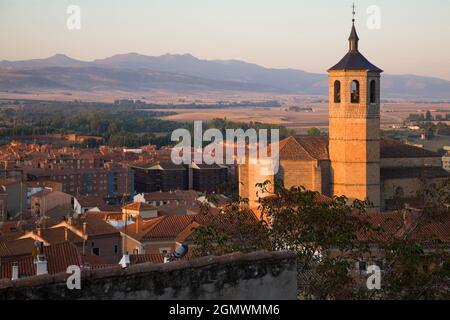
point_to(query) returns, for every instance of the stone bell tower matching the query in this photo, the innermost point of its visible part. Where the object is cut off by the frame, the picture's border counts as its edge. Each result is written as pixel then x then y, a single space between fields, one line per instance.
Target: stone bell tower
pixel 354 125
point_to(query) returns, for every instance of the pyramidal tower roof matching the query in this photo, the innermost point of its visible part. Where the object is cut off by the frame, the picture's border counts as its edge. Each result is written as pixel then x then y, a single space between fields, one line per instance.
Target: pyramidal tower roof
pixel 354 60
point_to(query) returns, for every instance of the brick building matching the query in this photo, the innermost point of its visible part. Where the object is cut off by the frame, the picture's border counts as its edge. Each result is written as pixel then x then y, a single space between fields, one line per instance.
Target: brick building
pixel 166 176
pixel 207 178
pixel 13 197
pixel 104 182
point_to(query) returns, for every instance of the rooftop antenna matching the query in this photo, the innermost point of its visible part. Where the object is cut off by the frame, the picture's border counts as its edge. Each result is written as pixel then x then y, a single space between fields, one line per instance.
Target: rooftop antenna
pixel 125 195
pixel 21 199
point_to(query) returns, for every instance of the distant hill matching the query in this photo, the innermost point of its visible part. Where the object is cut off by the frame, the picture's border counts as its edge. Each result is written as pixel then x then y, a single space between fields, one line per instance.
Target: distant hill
pixel 135 72
pixel 58 60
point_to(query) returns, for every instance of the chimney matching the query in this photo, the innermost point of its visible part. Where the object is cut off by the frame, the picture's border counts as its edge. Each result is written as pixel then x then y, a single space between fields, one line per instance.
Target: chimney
pixel 138 223
pixel 39 231
pixel 41 266
pixel 125 261
pixel 66 234
pixel 15 271
pixel 85 228
pixel 41 261
pixel 406 215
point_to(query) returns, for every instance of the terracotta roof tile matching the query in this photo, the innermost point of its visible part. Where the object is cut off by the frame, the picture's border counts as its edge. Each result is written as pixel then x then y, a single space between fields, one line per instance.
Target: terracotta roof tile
pixel 146 258
pixel 57 235
pixel 92 260
pixel 164 228
pixel 146 227
pixel 187 233
pixel 95 226
pixel 105 215
pixel 316 148
pixel 304 148
pixel 138 206
pixel 157 258
pixel 391 148
pixel 26 266
pixel 16 247
pixel 388 223
pixel 416 227
pixel 429 232
pixel 168 228
pixel 59 257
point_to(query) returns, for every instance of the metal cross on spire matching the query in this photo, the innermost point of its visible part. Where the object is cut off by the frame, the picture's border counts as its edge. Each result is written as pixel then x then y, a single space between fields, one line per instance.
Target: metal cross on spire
pixel 354 12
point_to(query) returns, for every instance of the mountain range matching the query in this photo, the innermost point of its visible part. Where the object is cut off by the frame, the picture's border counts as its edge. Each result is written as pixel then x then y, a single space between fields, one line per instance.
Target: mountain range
pixel 134 72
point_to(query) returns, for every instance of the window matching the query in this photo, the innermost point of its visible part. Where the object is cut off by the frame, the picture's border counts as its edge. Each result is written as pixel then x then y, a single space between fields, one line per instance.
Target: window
pixel 362 266
pixel 337 91
pixel 379 263
pixel 116 249
pixel 96 251
pixel 399 193
pixel 373 91
pixel 355 92
pixel 164 250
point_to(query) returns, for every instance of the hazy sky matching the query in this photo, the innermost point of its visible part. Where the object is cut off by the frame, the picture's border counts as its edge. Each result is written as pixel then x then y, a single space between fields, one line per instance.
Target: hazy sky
pixel 303 34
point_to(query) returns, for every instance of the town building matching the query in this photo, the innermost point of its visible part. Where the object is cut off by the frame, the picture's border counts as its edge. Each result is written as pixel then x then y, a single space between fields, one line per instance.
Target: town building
pixel 14 198
pixel 208 178
pixel 166 176
pixel 160 235
pixel 54 259
pixel 104 182
pixel 47 200
pixel 92 236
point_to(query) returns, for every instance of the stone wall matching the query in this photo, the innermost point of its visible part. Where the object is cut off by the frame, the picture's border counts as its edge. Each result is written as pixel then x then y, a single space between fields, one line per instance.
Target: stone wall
pixel 314 175
pixel 259 275
pixel 249 176
pixel 301 173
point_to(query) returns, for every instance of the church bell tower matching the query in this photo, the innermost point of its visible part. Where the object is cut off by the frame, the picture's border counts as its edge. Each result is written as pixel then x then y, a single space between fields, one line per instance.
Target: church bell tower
pixel 354 125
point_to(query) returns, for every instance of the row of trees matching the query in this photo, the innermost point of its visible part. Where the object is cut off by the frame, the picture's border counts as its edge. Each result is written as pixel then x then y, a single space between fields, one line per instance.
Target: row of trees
pixel 329 238
pixel 118 125
pixel 428 116
pixel 223 124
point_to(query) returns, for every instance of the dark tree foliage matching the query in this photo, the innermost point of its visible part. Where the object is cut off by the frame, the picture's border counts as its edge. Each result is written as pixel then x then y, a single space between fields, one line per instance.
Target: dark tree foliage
pixel 325 236
pixel 236 231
